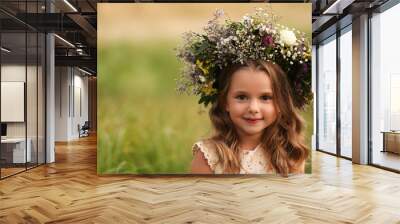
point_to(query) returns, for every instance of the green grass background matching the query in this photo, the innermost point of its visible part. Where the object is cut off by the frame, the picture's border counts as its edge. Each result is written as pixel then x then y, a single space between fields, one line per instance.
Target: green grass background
pixel 144 126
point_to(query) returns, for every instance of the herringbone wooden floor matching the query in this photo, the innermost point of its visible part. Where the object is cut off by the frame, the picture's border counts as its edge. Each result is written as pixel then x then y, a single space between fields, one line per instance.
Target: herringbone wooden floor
pixel 69 191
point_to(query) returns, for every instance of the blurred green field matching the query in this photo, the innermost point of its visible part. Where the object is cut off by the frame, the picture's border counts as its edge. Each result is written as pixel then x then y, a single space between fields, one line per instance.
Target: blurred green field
pixel 144 126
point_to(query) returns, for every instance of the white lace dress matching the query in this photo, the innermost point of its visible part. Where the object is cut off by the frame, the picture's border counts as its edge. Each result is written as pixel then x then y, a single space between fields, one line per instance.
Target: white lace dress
pixel 252 161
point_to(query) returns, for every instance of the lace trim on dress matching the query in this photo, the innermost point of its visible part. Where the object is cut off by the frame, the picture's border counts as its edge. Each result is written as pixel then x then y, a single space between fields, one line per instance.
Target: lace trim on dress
pixel 251 161
pixel 209 154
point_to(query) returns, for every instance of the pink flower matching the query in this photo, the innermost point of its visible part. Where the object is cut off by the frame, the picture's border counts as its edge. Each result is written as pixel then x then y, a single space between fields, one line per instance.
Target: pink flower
pixel 268 41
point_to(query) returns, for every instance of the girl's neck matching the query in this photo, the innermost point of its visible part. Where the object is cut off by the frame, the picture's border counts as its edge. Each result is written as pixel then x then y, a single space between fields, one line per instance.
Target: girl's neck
pixel 249 143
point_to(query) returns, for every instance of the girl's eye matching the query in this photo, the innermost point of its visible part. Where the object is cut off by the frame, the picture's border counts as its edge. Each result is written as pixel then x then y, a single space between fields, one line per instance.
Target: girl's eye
pixel 266 97
pixel 241 97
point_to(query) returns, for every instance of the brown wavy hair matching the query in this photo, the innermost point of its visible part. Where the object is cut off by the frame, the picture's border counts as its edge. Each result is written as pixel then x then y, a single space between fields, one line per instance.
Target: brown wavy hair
pixel 282 141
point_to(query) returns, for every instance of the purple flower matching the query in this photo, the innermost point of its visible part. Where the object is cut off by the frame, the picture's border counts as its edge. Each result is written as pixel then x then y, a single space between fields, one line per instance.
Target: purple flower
pixel 268 41
pixel 190 58
pixel 297 85
pixel 305 68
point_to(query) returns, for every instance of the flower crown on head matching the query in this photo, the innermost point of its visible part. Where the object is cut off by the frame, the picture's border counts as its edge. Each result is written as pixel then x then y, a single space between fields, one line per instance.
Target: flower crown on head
pixel 255 37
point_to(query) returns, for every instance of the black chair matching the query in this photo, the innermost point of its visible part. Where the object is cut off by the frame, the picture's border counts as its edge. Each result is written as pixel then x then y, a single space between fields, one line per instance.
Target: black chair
pixel 84 130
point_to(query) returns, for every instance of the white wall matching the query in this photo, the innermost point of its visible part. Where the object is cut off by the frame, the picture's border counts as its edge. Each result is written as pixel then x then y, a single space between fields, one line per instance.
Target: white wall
pixel 12 73
pixel 71 94
pixel 33 126
pixel 62 81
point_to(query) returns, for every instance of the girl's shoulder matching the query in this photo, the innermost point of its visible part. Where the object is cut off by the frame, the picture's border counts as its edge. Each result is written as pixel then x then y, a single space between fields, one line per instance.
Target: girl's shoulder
pixel 207 142
pixel 207 147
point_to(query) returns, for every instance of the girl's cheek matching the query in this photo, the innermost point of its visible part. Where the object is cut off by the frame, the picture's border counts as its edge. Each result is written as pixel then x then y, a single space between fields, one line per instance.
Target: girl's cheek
pixel 242 107
pixel 269 109
pixel 235 109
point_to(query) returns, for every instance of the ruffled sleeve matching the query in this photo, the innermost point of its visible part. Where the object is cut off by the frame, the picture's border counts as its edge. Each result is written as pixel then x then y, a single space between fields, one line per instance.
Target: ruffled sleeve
pixel 209 153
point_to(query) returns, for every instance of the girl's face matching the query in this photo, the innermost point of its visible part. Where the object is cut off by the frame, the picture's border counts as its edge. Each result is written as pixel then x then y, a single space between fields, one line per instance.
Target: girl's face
pixel 250 102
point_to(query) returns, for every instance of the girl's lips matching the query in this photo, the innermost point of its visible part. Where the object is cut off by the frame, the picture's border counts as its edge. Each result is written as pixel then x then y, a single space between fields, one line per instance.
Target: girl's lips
pixel 252 121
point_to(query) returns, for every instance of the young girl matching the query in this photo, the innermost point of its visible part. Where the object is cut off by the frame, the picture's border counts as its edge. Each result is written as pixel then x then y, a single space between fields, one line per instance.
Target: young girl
pixel 255 75
pixel 257 127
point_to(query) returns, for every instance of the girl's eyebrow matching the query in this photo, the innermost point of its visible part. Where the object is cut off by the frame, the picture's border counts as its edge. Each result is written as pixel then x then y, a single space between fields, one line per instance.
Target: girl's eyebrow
pixel 268 92
pixel 239 91
pixel 244 92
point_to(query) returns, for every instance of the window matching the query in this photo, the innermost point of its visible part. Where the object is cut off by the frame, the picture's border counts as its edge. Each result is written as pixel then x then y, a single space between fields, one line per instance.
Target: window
pixel 346 75
pixel 22 80
pixel 327 95
pixel 385 89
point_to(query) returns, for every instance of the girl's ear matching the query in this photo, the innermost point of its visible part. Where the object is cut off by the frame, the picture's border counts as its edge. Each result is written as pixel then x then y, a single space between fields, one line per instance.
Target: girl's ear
pixel 227 108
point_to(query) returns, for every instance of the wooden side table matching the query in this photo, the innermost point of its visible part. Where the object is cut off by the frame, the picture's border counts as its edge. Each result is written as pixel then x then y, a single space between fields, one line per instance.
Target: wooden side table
pixel 391 141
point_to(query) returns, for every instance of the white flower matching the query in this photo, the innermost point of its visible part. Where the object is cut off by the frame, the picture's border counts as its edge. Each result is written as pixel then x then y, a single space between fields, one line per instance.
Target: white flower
pixel 219 13
pixel 288 37
pixel 263 28
pixel 246 18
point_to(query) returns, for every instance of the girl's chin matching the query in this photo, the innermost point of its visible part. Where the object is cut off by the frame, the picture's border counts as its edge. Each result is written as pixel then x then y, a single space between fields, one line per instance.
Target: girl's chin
pixel 252 131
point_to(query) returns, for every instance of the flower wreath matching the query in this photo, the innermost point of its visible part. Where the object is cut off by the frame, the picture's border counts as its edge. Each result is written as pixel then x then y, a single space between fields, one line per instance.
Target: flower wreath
pixel 255 37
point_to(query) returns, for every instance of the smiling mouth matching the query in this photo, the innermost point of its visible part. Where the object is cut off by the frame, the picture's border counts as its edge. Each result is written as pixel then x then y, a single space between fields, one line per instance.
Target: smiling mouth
pixel 252 121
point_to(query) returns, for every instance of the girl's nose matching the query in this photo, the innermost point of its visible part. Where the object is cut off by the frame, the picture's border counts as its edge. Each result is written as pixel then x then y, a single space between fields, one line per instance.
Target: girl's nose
pixel 254 107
